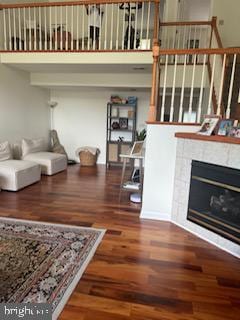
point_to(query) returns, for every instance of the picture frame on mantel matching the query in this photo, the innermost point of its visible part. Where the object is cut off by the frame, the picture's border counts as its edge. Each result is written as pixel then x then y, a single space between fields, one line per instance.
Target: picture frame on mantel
pixel 225 127
pixel 209 125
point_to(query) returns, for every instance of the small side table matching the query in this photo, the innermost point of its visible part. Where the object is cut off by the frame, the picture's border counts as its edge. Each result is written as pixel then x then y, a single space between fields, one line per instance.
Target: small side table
pixel 128 185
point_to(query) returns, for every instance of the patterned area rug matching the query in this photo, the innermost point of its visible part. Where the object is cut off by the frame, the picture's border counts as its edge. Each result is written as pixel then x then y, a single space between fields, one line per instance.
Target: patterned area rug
pixel 42 262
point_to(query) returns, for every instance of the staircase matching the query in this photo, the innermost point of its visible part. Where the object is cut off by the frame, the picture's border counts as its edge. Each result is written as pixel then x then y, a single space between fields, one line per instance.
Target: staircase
pixel 193 75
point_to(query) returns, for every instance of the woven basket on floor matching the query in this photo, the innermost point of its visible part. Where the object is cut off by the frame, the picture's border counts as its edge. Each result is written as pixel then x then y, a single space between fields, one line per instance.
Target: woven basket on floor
pixel 87 158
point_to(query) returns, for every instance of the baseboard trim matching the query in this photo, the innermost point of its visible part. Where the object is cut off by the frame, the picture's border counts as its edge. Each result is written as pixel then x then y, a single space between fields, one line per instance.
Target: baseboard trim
pixel 155 215
pixel 209 241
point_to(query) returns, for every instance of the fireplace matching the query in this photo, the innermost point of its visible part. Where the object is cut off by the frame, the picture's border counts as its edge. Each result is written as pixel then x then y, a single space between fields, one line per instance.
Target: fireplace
pixel 214 199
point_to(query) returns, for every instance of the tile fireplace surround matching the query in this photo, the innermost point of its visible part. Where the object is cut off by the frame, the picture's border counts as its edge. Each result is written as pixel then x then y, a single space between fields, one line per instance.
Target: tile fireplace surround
pixel 225 153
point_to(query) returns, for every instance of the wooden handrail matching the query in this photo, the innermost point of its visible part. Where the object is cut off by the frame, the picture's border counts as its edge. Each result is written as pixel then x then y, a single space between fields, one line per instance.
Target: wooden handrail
pixel 216 32
pixel 185 23
pixel 70 3
pixel 220 51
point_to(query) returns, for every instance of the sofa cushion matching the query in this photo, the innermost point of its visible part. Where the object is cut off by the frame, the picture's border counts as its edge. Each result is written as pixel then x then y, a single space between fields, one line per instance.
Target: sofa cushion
pixel 5 151
pixel 50 162
pixel 32 146
pixel 17 174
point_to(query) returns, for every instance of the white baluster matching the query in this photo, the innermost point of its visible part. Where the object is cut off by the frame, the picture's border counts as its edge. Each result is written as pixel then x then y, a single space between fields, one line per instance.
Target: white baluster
pixel 202 89
pixel 61 28
pixel 24 29
pixel 77 45
pixel 19 29
pixel 89 7
pixel 173 89
pixel 106 25
pixel 40 26
pixel 9 30
pixel 111 40
pixel 189 37
pixel 5 29
pixel 183 89
pixel 135 34
pixel 35 28
pixel 148 20
pixel 117 37
pixel 194 37
pixel 200 38
pixel 100 28
pixel 66 39
pixel 83 29
pixel 221 85
pixel 14 30
pixel 94 29
pixel 228 112
pixel 129 26
pixel 45 29
pixel 192 89
pixel 123 30
pixel 50 26
pixel 56 28
pixel 211 86
pixel 184 37
pixel 72 18
pixel 164 89
pixel 141 29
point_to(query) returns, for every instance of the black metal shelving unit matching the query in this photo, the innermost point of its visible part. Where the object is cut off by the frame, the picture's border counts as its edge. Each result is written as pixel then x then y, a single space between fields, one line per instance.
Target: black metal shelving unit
pixel 119 140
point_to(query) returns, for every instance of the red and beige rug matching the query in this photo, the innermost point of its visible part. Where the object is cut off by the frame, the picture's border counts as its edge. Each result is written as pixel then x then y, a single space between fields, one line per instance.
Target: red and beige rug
pixel 41 262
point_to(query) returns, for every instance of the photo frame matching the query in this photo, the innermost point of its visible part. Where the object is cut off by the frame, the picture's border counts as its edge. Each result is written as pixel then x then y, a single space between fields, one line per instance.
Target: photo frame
pixel 235 131
pixel 225 126
pixel 209 125
pixel 123 123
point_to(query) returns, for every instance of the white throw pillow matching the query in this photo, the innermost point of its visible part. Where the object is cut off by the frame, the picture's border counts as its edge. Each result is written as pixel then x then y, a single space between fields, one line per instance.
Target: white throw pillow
pixel 5 151
pixel 33 146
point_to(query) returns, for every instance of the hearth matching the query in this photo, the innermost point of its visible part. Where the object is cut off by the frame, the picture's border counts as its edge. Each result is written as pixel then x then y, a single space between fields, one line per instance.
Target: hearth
pixel 214 199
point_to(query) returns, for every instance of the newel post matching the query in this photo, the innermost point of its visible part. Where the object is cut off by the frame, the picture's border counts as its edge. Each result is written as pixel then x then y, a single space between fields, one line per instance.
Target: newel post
pixel 152 114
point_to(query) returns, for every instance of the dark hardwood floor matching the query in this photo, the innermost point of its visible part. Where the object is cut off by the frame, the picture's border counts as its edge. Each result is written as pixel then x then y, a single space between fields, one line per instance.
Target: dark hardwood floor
pixel 143 270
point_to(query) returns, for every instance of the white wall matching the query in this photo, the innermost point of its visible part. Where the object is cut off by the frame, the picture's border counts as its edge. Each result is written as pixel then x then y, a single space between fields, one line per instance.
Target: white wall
pixel 195 10
pixel 229 12
pixel 80 117
pixel 160 162
pixel 23 109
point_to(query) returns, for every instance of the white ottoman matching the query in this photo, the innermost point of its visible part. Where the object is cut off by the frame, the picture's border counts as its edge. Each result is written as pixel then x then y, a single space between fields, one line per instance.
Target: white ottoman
pixel 51 163
pixel 17 174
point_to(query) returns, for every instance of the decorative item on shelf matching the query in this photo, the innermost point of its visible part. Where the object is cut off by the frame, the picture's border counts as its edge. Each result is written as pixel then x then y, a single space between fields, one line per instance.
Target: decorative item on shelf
pixel 132 100
pixel 235 130
pixel 116 99
pixel 130 114
pixel 209 125
pixel 120 139
pixel 115 125
pixel 225 127
pixel 115 112
pixel 123 123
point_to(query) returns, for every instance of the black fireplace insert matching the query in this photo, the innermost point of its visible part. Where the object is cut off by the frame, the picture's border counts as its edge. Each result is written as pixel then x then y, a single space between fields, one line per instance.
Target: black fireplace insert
pixel 214 199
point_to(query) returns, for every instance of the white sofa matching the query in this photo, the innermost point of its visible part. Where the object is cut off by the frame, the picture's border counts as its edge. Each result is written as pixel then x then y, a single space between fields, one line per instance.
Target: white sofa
pixel 18 174
pixel 51 163
pixel 35 151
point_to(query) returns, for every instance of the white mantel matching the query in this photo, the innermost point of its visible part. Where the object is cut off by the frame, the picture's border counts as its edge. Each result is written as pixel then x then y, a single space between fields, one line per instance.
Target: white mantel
pixel 218 153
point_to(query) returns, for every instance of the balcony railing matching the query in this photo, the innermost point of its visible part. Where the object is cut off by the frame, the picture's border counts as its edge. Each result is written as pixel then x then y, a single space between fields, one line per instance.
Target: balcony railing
pixel 189 82
pixel 79 26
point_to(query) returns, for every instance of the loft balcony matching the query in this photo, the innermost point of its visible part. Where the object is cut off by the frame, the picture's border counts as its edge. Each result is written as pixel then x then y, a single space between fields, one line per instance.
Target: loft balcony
pixel 79 26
